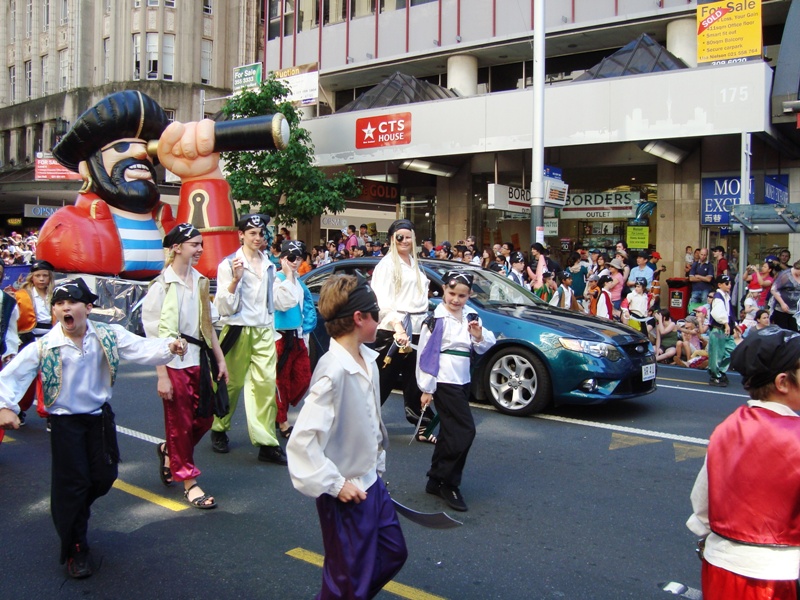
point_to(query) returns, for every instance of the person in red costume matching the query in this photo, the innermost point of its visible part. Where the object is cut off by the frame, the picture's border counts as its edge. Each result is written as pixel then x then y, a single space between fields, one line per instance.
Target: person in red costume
pixel 745 497
pixel 118 221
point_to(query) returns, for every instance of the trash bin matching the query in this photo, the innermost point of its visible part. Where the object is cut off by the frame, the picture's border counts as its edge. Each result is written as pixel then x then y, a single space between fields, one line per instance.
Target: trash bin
pixel 680 290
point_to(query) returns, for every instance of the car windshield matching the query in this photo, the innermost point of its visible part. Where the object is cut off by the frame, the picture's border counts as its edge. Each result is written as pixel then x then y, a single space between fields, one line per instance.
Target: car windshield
pixel 489 288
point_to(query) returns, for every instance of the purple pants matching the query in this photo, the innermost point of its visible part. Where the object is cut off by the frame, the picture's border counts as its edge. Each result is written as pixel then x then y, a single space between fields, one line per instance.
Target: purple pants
pixel 364 545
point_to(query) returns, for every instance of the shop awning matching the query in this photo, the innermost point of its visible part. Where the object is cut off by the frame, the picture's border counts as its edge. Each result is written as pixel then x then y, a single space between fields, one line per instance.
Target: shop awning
pixel 766 218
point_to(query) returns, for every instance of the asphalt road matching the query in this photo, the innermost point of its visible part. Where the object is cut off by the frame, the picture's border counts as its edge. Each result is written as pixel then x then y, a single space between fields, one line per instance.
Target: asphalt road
pixel 580 503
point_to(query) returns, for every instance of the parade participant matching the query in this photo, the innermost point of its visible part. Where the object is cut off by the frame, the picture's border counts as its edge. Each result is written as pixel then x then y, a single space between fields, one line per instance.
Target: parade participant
pixel 178 305
pixel 548 287
pixel 295 319
pixel 720 339
pixel 744 500
pixel 565 296
pixel 78 360
pixel 591 295
pixel 337 451
pixel 786 292
pixel 9 342
pixel 118 221
pixel 605 308
pixel 402 291
pixel 443 374
pixel 35 320
pixel 246 304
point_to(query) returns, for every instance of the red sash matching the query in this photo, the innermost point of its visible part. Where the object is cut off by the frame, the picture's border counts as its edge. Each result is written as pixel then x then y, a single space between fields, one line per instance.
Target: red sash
pixel 754 478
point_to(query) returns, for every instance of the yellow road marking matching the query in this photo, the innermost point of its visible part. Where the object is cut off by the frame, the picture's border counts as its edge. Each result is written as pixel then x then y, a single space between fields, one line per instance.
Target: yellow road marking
pixel 687 451
pixel 684 381
pixel 398 589
pixel 149 496
pixel 8 438
pixel 620 440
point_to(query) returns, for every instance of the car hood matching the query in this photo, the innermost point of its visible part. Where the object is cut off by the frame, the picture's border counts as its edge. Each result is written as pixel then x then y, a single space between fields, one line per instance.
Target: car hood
pixel 570 323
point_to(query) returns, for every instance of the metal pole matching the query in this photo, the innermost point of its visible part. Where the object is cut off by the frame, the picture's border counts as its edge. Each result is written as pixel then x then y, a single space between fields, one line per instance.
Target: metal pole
pixel 537 167
pixel 744 198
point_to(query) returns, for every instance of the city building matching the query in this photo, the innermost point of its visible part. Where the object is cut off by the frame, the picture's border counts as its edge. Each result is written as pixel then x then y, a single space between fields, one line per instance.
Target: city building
pixel 661 136
pixel 62 56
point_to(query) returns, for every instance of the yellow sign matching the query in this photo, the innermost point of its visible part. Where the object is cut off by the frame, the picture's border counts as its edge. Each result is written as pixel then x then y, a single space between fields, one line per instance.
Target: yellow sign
pixel 638 237
pixel 728 32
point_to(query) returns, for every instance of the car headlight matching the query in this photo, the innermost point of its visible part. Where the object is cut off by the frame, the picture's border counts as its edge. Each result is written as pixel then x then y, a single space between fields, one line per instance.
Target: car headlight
pixel 596 349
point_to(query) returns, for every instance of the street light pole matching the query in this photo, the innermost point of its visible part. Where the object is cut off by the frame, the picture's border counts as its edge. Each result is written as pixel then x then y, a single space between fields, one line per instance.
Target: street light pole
pixel 537 146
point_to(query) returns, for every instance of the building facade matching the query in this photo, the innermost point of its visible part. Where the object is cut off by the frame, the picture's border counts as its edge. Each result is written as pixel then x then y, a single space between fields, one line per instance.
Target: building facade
pixel 64 55
pixel 599 132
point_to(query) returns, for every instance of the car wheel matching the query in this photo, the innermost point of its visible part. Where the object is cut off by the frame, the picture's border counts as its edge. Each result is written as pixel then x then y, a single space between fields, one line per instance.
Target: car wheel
pixel 517 382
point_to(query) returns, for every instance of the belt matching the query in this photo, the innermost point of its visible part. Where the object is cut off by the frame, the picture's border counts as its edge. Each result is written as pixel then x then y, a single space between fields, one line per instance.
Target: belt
pixel 288 332
pixel 405 312
pixel 463 353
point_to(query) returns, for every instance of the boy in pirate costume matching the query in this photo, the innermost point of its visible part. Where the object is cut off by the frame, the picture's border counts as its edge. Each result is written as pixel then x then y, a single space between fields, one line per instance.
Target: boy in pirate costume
pixel 295 318
pixel 744 500
pixel 178 305
pixel 78 360
pixel 245 302
pixel 337 451
pixel 443 375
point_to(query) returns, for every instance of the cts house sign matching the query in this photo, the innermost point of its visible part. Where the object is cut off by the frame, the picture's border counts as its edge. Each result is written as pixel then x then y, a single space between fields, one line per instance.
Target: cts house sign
pixel 383 130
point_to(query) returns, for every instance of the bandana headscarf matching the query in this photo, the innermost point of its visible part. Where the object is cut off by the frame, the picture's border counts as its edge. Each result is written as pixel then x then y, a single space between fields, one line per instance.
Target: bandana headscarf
pixel 295 247
pixel 362 298
pixel 179 234
pixel 253 221
pixel 453 277
pixel 765 354
pixel 73 289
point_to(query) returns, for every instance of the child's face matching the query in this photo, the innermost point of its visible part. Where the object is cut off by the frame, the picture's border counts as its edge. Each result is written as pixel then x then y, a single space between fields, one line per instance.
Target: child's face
pixel 639 288
pixel 367 327
pixel 41 279
pixel 455 297
pixel 72 315
pixel 252 238
pixel 191 249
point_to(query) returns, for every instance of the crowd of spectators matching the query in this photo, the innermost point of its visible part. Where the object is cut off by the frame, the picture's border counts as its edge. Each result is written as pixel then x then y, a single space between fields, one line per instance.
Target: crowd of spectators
pixel 18 249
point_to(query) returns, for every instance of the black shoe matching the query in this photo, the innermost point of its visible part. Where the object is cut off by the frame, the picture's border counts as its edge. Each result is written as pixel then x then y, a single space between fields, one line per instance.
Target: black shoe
pixel 273 454
pixel 48 426
pixel 21 418
pixel 79 564
pixel 714 381
pixel 432 487
pixel 219 442
pixel 452 495
pixel 723 380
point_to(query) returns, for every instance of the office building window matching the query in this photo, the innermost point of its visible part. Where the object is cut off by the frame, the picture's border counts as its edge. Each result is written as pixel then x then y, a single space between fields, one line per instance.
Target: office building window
pixel 12 21
pixel 137 55
pixel 170 112
pixel 45 76
pixel 361 8
pixel 168 57
pixel 207 7
pixel 169 3
pixel 12 83
pixel 206 51
pixel 63 70
pixel 28 18
pixel 107 8
pixel 334 11
pixel 151 47
pixel 390 5
pixel 152 2
pixel 106 60
pixel 46 15
pixel 64 17
pixel 28 80
pixel 137 3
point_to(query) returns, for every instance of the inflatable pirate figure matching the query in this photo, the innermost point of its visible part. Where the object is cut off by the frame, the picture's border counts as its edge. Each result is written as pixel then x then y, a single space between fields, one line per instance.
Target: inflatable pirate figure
pixel 117 224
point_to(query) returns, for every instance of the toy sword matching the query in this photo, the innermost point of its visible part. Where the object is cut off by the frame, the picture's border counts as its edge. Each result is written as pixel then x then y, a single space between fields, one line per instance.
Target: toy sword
pixel 440 520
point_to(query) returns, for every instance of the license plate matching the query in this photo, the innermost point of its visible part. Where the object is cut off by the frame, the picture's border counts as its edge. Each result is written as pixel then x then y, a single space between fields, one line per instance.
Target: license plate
pixel 648 372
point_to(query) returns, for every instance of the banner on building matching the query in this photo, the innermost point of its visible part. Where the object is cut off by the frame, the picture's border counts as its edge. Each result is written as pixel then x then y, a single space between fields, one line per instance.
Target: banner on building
pixel 48 168
pixel 718 194
pixel 728 32
pixel 303 81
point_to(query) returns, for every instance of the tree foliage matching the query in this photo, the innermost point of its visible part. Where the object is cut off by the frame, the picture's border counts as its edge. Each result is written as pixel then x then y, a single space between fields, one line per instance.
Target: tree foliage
pixel 283 184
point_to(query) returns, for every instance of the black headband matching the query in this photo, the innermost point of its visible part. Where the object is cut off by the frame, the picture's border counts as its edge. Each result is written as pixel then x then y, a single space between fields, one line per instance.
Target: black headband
pixel 73 289
pixel 362 299
pixel 179 234
pixel 452 277
pixel 400 224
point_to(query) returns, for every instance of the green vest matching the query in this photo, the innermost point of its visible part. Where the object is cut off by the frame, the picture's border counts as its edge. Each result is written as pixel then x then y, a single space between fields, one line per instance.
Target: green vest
pixel 51 368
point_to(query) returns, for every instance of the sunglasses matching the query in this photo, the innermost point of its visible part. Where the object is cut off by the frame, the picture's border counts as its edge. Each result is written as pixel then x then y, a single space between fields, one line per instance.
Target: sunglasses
pixel 400 237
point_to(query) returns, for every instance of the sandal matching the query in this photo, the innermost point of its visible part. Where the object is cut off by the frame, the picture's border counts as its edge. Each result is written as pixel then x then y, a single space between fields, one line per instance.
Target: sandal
pixel 201 502
pixel 424 436
pixel 164 471
pixel 285 433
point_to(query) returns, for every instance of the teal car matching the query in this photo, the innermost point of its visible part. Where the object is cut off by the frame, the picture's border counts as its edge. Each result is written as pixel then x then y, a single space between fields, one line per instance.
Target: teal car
pixel 544 355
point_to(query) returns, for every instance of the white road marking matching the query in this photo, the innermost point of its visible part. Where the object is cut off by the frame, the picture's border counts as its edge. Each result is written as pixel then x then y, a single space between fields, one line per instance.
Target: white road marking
pixel 712 391
pixel 139 435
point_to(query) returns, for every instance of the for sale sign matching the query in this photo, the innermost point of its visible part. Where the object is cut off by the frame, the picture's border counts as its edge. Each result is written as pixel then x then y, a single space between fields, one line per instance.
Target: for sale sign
pixel 728 32
pixel 383 130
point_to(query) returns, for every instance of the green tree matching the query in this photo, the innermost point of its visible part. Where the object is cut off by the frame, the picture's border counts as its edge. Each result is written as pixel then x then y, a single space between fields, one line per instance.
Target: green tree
pixel 283 184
